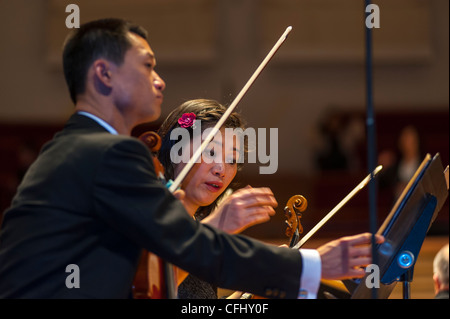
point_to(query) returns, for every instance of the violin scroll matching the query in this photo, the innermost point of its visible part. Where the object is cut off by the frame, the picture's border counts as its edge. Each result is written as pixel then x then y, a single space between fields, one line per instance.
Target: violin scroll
pixel 293 212
pixel 153 141
pixel 294 207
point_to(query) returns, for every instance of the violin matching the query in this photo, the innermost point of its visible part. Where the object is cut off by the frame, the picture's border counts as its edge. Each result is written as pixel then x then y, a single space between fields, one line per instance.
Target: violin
pixel 293 210
pixel 328 289
pixel 155 278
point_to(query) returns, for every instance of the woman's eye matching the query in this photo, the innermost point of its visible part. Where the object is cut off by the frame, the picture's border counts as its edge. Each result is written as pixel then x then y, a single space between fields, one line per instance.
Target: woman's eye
pixel 210 152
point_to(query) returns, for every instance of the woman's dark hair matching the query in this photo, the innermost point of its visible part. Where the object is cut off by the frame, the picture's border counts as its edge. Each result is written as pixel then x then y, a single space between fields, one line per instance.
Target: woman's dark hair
pixel 105 38
pixel 209 113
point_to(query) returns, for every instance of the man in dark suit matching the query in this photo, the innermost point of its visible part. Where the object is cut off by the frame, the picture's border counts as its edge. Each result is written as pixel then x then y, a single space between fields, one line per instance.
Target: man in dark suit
pixel 91 201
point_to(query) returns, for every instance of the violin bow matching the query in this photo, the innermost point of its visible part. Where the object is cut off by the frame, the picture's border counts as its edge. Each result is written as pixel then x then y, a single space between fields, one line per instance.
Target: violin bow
pixel 175 184
pixel 360 186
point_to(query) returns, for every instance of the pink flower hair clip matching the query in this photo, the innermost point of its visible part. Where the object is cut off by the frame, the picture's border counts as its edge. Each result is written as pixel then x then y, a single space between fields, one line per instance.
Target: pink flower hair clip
pixel 187 120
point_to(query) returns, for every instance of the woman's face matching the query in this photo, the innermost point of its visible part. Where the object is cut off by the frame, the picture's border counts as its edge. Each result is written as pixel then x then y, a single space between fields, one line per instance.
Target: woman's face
pixel 211 177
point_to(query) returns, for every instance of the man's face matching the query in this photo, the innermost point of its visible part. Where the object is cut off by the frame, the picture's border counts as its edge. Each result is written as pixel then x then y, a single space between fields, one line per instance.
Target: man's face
pixel 137 88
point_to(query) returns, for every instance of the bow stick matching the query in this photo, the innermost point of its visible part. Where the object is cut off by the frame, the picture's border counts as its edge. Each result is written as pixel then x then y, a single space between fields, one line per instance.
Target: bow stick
pixel 175 184
pixel 360 186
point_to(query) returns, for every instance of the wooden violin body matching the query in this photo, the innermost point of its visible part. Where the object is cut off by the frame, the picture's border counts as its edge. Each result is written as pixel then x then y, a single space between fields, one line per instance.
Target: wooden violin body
pixel 155 278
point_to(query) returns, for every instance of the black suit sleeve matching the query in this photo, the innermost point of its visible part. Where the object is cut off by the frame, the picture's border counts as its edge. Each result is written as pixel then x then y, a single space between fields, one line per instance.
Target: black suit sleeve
pixel 130 199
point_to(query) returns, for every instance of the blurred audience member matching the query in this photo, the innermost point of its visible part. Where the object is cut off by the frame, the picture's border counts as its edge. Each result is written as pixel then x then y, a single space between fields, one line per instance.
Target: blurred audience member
pixel 400 166
pixel 440 273
pixel 341 135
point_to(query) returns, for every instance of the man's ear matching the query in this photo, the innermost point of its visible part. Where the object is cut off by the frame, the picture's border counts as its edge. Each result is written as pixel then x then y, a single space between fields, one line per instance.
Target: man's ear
pixel 102 71
pixel 102 76
pixel 436 282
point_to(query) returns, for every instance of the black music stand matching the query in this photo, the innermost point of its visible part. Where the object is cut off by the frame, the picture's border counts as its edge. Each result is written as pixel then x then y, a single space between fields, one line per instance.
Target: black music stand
pixel 405 229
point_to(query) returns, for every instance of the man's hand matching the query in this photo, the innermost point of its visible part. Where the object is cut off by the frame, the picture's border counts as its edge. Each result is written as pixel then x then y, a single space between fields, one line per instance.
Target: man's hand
pixel 344 258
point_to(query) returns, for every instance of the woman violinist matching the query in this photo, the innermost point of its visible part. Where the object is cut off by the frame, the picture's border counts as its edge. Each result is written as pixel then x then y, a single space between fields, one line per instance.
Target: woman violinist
pixel 207 182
